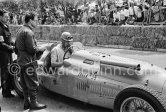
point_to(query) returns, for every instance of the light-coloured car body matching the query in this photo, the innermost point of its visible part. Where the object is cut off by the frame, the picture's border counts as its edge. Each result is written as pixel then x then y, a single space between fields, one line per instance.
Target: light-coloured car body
pixel 98 78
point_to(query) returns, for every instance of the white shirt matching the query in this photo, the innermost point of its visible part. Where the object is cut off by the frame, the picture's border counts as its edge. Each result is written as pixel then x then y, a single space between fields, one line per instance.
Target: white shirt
pixel 122 15
pixel 164 2
pixel 136 8
pixel 61 13
pixel 139 13
pixel 116 16
pixel 107 11
pixel 131 11
pixel 126 12
pixel 122 12
pixel 1 39
pixel 57 54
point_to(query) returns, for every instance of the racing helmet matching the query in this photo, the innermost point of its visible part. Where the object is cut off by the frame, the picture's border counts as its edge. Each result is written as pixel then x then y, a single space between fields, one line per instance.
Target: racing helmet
pixel 66 36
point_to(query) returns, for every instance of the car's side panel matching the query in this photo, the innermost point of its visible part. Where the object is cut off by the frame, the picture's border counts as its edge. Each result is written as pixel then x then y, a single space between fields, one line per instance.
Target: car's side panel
pixel 84 81
pixel 109 90
pixel 94 94
pixel 55 82
pixel 121 74
pixel 83 68
pixel 98 78
pixel 80 88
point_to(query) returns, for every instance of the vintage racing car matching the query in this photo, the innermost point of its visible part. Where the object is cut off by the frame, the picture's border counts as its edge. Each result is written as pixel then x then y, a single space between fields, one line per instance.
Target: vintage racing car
pixel 121 84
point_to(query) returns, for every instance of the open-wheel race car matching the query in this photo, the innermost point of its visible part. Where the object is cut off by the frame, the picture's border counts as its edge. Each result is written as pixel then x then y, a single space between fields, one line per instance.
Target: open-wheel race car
pixel 121 84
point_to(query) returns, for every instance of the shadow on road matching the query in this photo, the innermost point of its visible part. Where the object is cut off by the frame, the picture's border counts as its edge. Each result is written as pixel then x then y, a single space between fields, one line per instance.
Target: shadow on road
pixel 55 103
pixel 64 103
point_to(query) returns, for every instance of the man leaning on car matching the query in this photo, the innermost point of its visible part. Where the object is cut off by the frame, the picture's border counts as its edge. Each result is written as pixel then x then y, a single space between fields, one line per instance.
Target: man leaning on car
pixel 27 49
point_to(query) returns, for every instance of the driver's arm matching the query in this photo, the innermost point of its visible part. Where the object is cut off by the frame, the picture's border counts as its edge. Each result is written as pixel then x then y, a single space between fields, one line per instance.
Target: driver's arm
pixel 54 59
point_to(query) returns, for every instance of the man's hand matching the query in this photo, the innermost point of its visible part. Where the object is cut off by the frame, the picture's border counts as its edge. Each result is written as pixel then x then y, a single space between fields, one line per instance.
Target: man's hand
pixel 11 49
pixel 48 47
pixel 40 63
pixel 45 47
pixel 66 64
pixel 42 48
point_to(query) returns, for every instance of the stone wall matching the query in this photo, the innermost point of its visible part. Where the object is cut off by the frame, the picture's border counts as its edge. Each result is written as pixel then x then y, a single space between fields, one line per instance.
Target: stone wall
pixel 143 37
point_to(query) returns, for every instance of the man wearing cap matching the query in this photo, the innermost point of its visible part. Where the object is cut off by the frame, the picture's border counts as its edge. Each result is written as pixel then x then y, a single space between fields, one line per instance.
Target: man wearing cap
pixel 57 53
pixel 27 49
pixel 6 50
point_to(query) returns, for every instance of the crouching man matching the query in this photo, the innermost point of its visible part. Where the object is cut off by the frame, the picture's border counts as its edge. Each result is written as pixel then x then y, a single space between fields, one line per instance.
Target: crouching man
pixel 27 49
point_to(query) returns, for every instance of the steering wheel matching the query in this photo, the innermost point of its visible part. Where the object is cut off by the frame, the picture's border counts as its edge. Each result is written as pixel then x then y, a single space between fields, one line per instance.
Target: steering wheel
pixel 68 51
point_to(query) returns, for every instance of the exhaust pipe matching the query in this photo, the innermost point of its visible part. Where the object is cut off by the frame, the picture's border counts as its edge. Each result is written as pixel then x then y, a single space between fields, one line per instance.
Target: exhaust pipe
pixel 125 65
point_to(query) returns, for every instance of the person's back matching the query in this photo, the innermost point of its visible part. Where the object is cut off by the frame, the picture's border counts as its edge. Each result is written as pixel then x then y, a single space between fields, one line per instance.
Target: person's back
pixel 27 49
pixel 26 52
pixel 57 54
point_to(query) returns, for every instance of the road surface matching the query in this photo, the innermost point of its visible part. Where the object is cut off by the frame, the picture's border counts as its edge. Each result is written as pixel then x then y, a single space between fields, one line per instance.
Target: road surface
pixel 59 103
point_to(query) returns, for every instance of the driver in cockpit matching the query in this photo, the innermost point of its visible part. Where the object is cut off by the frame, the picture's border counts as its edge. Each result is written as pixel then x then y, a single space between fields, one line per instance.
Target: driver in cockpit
pixel 58 52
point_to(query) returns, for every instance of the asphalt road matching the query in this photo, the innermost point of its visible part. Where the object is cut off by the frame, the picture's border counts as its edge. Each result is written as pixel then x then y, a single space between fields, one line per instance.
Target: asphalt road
pixel 59 103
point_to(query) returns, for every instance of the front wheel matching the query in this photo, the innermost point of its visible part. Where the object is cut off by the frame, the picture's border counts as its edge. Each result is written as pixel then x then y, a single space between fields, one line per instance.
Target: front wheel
pixel 139 99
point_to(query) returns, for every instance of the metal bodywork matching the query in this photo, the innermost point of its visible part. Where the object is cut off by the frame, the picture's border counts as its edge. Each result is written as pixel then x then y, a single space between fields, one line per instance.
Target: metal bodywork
pixel 97 78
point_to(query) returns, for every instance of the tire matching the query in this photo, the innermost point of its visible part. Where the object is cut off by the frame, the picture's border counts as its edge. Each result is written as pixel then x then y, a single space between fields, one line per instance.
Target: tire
pixel 139 93
pixel 16 83
pixel 17 87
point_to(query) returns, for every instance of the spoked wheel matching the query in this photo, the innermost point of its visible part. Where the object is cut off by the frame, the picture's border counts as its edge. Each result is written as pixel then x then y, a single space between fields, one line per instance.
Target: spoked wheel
pixel 139 98
pixel 16 80
pixel 135 104
pixel 17 85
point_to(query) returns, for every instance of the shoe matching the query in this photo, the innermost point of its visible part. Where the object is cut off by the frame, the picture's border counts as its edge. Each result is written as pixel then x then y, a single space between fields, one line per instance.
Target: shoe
pixel 34 105
pixel 8 95
pixel 26 105
pixel 37 106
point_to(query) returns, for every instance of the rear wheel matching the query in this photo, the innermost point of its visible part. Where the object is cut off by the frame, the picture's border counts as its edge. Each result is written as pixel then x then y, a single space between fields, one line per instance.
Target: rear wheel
pixel 139 99
pixel 17 80
pixel 17 85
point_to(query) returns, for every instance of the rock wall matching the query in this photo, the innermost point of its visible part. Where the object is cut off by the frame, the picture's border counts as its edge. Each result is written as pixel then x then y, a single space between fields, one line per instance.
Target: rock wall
pixel 144 37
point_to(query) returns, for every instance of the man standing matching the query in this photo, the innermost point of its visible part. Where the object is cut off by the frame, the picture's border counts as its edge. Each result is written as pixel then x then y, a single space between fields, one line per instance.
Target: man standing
pixel 27 49
pixel 6 50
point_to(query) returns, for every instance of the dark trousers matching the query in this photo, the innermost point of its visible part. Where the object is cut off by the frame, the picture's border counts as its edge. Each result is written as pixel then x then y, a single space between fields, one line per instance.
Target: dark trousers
pixel 29 82
pixel 6 78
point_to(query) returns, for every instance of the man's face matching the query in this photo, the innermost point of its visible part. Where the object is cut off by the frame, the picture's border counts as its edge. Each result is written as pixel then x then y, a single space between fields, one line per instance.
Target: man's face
pixel 5 17
pixel 34 22
pixel 67 44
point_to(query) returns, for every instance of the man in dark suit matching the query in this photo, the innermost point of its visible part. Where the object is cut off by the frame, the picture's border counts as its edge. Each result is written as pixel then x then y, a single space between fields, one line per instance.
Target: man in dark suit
pixel 6 50
pixel 27 49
